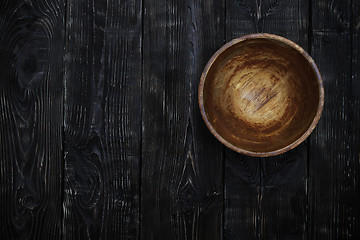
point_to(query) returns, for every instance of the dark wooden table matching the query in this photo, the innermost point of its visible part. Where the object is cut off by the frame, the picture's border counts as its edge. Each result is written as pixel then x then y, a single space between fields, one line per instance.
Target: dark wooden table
pixel 101 135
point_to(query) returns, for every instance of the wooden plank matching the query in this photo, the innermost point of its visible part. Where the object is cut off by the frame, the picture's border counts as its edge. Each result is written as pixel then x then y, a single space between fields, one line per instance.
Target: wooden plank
pixel 334 152
pixel 284 208
pixel 354 120
pixel 102 119
pixel 242 197
pixel 241 174
pixel 276 214
pixel 285 18
pixel 284 197
pixel 31 38
pixel 181 193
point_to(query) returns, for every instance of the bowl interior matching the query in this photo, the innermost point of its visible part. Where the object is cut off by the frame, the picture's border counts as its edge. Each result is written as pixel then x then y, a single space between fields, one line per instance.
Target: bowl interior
pixel 261 95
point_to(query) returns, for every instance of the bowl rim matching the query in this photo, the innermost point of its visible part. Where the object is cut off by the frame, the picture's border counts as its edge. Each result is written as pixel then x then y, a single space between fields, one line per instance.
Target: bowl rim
pixel 292 45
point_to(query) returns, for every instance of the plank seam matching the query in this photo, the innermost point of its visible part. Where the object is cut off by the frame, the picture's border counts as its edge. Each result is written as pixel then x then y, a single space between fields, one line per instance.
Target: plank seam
pixel 224 150
pixel 261 188
pixel 141 113
pixel 310 42
pixel 64 63
pixel 351 38
pixel 225 22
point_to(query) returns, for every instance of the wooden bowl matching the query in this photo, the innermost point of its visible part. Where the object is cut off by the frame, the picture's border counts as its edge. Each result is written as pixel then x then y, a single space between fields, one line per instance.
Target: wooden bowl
pixel 261 95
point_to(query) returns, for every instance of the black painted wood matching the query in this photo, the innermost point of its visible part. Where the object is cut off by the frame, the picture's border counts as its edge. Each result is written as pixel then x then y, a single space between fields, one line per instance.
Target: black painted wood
pixel 284 196
pixel 354 120
pixel 102 120
pixel 334 148
pixel 242 197
pixel 271 201
pixel 182 187
pixel 31 91
pixel 101 136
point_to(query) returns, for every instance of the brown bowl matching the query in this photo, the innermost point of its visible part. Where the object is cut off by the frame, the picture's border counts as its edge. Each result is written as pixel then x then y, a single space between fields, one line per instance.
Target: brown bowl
pixel 261 95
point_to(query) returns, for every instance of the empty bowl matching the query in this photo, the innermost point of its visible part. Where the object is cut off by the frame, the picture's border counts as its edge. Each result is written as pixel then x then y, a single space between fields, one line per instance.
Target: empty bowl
pixel 261 95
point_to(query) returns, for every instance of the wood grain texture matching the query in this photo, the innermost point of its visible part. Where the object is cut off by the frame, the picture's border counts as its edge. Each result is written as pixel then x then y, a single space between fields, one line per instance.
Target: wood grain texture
pixel 285 18
pixel 354 120
pixel 243 197
pixel 75 124
pixel 284 197
pixel 31 92
pixel 181 190
pixel 334 149
pixel 102 119
pixel 282 204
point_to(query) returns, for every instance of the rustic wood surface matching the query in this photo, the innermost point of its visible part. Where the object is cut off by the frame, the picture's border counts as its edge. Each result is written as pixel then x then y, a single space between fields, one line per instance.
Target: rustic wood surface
pixel 101 135
pixel 334 147
pixel 31 119
pixel 181 179
pixel 275 206
pixel 102 120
